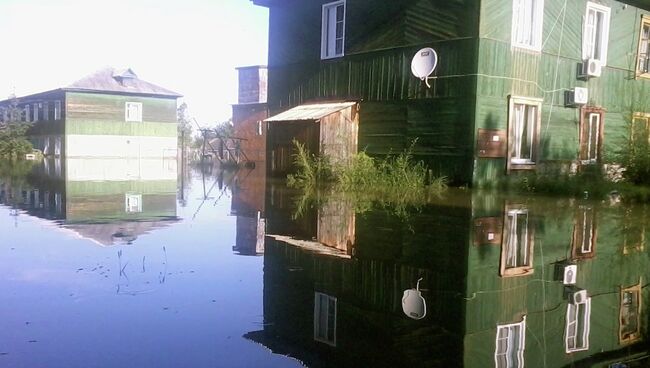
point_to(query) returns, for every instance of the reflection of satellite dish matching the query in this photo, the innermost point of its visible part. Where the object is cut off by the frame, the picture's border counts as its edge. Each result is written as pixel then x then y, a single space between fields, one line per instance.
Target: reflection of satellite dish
pixel 413 304
pixel 424 63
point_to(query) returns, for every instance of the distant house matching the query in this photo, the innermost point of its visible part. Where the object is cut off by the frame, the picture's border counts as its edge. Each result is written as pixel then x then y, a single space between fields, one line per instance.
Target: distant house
pixel 520 86
pixel 111 113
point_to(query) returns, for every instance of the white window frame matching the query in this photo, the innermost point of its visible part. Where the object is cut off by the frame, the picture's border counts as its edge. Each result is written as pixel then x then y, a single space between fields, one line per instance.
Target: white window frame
pixel 515 130
pixel 132 203
pixel 35 113
pixel 328 30
pixel 643 53
pixel 27 113
pixel 57 110
pixel 508 332
pixel 575 326
pixel 589 34
pixel 527 24
pixel 322 330
pixel 138 115
pixel 260 129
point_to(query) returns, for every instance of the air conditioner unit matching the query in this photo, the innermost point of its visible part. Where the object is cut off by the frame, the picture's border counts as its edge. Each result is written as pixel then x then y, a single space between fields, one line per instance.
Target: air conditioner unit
pixel 577 96
pixel 570 274
pixel 579 297
pixel 591 68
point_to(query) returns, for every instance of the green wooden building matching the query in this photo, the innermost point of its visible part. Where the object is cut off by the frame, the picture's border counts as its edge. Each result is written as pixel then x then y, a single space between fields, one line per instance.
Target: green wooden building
pixel 520 86
pixel 111 113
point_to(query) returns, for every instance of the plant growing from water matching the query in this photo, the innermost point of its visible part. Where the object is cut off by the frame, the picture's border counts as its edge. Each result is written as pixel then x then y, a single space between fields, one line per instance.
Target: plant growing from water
pixel 395 182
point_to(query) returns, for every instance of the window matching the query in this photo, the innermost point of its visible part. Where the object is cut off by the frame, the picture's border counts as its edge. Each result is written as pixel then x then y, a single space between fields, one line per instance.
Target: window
pixel 133 111
pixel 35 115
pixel 584 233
pixel 57 110
pixel 133 203
pixel 527 20
pixel 523 132
pixel 517 245
pixel 46 111
pixel 640 129
pixel 333 30
pixel 510 345
pixel 591 135
pixel 595 36
pixel 325 318
pixel 629 315
pixel 643 63
pixel 576 334
pixel 27 117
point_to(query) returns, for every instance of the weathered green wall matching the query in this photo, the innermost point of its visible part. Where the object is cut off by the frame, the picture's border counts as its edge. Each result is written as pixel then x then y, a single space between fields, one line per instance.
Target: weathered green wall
pixel 504 70
pixel 103 114
pixel 381 39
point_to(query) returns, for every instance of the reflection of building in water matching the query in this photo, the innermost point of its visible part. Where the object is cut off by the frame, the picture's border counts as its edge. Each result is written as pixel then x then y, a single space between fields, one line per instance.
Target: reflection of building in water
pixel 248 193
pixel 109 201
pixel 111 113
pixel 508 282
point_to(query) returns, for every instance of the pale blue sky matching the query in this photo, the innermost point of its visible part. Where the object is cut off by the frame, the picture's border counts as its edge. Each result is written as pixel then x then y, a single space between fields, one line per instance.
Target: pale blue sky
pixel 189 46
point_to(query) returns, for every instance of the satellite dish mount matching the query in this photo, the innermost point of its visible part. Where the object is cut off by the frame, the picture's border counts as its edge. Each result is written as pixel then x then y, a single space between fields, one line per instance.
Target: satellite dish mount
pixel 424 63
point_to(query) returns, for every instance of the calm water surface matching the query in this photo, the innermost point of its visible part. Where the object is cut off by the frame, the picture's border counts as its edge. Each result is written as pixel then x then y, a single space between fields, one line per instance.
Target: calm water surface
pixel 141 264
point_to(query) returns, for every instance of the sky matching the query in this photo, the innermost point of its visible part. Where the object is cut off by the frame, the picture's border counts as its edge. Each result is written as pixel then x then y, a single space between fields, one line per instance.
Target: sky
pixel 188 46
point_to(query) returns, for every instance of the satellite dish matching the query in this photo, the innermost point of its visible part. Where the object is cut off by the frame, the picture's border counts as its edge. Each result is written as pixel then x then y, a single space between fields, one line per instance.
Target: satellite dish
pixel 424 63
pixel 413 304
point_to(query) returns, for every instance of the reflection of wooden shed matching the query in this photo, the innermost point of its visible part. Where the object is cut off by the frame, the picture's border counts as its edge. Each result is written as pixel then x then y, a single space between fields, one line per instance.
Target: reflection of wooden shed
pixel 329 129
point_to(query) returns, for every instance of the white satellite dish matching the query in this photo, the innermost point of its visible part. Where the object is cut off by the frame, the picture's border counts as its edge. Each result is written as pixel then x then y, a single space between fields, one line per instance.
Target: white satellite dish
pixel 413 304
pixel 424 63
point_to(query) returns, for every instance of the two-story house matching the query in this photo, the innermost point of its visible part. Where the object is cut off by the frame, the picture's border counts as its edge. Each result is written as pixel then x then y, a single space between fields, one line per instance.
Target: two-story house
pixel 111 113
pixel 520 86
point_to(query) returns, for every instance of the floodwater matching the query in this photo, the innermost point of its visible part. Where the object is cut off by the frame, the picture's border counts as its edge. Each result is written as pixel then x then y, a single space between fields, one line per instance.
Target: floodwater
pixel 135 263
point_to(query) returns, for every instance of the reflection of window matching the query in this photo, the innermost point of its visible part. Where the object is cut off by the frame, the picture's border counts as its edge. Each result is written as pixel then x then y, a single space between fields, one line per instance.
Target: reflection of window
pixel 510 345
pixel 591 133
pixel 133 203
pixel 595 35
pixel 259 128
pixel 325 318
pixel 643 63
pixel 584 233
pixel 516 248
pixel 333 30
pixel 577 325
pixel 527 19
pixel 640 128
pixel 523 132
pixel 133 111
pixel 633 230
pixel 630 328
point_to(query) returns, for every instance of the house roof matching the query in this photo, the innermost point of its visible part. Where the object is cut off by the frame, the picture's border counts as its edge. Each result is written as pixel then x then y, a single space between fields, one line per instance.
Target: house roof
pixel 310 112
pixel 120 81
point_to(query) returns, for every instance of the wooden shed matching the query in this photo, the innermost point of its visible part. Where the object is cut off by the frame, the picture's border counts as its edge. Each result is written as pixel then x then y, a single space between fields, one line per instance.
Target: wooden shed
pixel 329 129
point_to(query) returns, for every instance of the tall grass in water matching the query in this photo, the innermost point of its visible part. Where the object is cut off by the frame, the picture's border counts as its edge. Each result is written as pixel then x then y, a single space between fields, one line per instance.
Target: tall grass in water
pixel 396 180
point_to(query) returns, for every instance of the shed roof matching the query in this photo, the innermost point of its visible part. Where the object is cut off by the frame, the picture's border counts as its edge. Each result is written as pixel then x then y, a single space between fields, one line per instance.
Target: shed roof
pixel 311 112
pixel 121 81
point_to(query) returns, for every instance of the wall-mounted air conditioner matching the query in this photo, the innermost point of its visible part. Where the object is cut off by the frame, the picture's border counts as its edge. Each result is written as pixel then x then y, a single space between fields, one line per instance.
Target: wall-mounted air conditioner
pixel 591 68
pixel 577 97
pixel 570 274
pixel 578 297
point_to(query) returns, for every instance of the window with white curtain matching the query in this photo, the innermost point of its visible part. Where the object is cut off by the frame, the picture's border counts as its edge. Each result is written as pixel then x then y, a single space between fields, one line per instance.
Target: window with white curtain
pixel 527 23
pixel 595 36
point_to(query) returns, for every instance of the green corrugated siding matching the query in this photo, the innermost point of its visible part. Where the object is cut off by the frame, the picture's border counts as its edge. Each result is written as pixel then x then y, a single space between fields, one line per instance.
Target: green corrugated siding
pixel 103 114
pixel 506 71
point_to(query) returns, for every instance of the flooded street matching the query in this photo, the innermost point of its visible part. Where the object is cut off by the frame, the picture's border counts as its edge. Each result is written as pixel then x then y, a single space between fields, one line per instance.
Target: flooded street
pixel 145 264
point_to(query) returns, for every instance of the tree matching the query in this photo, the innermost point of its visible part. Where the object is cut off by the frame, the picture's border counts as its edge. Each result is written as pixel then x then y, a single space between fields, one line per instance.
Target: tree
pixel 13 131
pixel 184 126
